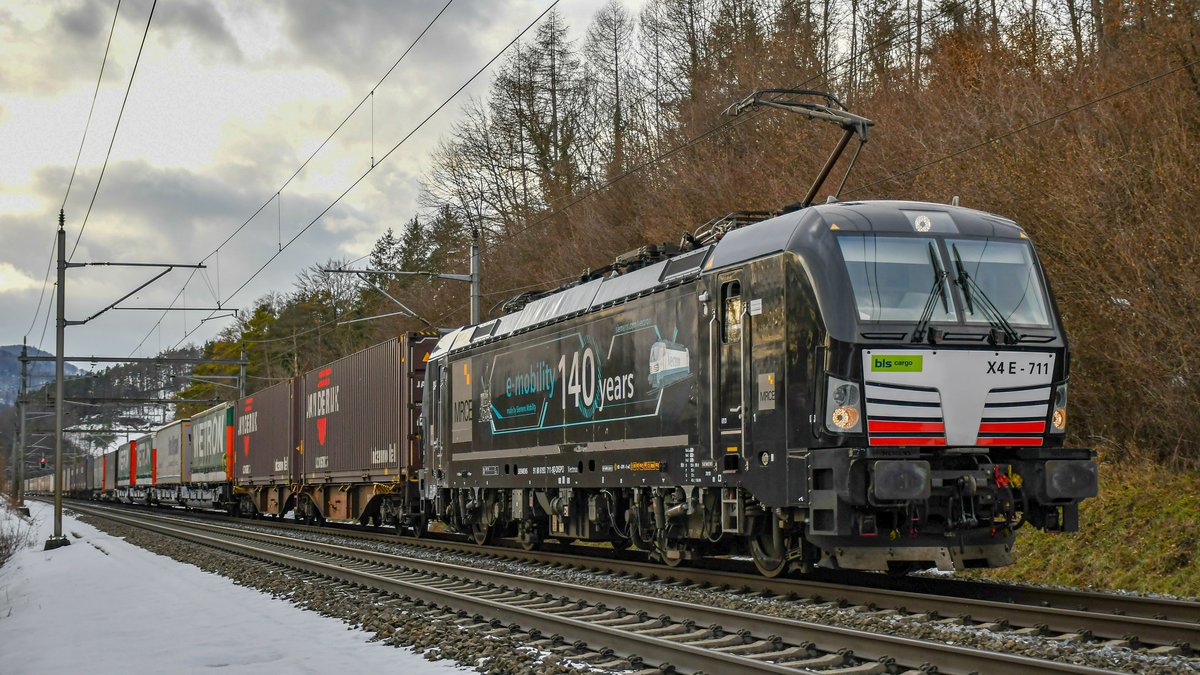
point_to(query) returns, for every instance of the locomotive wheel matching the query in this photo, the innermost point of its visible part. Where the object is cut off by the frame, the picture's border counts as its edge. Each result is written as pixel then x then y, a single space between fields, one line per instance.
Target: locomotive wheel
pixel 530 535
pixel 902 569
pixel 671 561
pixel 671 553
pixel 770 560
pixel 481 534
pixel 636 536
pixel 420 527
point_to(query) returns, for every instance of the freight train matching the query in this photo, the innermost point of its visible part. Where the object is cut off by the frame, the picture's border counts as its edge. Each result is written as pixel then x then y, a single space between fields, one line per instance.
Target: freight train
pixel 876 385
pixel 864 385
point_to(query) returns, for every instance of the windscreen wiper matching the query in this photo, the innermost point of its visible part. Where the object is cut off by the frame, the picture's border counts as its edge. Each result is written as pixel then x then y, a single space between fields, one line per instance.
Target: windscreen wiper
pixel 986 306
pixel 939 289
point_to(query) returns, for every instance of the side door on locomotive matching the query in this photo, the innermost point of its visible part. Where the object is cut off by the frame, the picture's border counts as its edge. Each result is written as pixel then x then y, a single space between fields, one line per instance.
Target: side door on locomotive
pixel 761 331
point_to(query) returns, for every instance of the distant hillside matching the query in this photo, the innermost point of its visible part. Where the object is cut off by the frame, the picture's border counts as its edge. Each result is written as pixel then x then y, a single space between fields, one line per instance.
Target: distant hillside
pixel 40 373
pixel 104 421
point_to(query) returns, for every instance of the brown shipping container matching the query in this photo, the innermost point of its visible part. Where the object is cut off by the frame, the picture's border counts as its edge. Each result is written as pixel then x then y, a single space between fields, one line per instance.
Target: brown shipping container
pixel 266 432
pixel 351 421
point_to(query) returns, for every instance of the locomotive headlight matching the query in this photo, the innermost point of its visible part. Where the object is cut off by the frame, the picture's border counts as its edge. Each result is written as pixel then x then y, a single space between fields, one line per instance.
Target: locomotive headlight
pixel 842 412
pixel 1058 420
pixel 845 417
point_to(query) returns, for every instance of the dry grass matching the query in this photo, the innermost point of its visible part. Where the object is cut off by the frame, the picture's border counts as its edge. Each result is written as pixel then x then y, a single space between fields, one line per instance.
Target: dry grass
pixel 1138 535
pixel 16 532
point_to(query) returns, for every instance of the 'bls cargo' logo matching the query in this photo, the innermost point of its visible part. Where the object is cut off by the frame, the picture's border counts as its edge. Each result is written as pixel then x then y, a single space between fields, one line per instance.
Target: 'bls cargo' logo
pixel 322 402
pixel 246 425
pixel 897 363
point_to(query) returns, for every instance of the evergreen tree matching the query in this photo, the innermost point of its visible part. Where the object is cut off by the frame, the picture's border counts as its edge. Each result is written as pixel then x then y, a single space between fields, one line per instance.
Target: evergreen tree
pixel 414 248
pixel 385 255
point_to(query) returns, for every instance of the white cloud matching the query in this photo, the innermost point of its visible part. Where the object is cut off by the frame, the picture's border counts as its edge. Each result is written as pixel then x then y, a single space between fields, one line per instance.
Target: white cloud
pixel 230 97
pixel 13 280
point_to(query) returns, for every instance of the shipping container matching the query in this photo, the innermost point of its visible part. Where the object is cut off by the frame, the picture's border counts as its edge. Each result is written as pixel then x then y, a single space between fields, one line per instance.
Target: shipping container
pixel 212 445
pixel 79 476
pixel 169 444
pixel 360 443
pixel 351 417
pixel 98 464
pixel 266 429
pixel 146 466
pixel 42 485
pixel 69 480
pixel 111 462
pixel 125 454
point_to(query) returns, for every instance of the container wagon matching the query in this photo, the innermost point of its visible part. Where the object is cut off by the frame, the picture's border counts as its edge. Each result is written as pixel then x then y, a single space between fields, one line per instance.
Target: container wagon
pixel 360 441
pixel 210 464
pixel 266 449
pixel 170 448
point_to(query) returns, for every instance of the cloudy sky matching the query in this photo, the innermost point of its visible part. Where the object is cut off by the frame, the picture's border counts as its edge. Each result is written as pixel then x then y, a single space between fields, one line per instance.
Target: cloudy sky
pixel 229 98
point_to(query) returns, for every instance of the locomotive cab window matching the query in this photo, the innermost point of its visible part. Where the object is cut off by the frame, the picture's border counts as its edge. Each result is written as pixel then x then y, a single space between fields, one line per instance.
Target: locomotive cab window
pixel 1003 272
pixel 731 301
pixel 894 277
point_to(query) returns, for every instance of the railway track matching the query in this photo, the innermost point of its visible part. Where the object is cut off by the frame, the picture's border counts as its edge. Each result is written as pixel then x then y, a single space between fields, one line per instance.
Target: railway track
pixel 647 629
pixel 1160 626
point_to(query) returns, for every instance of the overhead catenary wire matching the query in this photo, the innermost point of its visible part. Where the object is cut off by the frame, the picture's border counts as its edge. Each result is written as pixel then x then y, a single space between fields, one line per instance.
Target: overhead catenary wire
pixel 545 218
pixel 385 156
pixel 276 195
pixel 45 285
pixel 710 132
pixel 79 153
pixel 116 127
pixel 49 309
pixel 720 127
pixel 333 133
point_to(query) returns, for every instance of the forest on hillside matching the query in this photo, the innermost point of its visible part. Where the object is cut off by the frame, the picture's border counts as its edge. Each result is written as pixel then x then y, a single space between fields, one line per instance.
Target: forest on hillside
pixel 99 402
pixel 1079 120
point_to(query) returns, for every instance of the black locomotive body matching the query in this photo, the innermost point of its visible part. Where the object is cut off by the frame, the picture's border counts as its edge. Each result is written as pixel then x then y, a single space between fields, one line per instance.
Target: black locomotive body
pixel 872 385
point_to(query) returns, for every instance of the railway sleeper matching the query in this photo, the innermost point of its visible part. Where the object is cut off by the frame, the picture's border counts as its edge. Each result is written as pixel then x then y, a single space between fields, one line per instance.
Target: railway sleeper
pixel 688 637
pixel 742 637
pixel 755 647
pixel 869 668
pixel 831 660
pixel 666 629
pixel 805 651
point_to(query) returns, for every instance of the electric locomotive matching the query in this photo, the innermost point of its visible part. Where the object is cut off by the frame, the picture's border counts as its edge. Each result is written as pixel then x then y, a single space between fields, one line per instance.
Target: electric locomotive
pixel 864 385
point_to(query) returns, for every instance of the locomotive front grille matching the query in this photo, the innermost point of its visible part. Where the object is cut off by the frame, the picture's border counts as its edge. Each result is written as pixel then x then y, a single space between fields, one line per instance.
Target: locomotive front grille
pixel 1015 416
pixel 904 415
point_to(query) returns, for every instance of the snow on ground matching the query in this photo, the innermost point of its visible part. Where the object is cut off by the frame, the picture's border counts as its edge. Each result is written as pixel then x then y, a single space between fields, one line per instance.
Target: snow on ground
pixel 100 604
